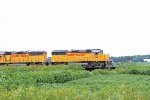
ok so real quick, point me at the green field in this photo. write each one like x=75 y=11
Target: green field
x=129 y=81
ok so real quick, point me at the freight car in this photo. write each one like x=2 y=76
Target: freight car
x=23 y=57
x=94 y=58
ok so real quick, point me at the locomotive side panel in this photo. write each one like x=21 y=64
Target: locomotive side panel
x=94 y=58
x=37 y=57
x=59 y=58
x=2 y=59
x=19 y=57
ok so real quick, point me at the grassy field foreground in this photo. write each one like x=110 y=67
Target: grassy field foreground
x=129 y=81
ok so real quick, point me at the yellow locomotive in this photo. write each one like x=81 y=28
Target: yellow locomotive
x=91 y=58
x=94 y=58
x=23 y=57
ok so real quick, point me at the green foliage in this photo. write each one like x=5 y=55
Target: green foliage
x=12 y=77
x=133 y=68
x=129 y=81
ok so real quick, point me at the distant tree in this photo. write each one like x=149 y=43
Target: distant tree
x=136 y=58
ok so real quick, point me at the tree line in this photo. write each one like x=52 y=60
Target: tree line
x=135 y=58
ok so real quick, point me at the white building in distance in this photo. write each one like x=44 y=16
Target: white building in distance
x=146 y=60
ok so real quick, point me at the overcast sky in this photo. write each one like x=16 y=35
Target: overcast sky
x=119 y=27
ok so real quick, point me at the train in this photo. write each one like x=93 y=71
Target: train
x=89 y=58
x=23 y=57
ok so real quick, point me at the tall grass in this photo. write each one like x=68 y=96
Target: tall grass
x=128 y=81
x=101 y=87
x=133 y=68
x=12 y=77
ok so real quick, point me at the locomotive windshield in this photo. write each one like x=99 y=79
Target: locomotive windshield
x=59 y=52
